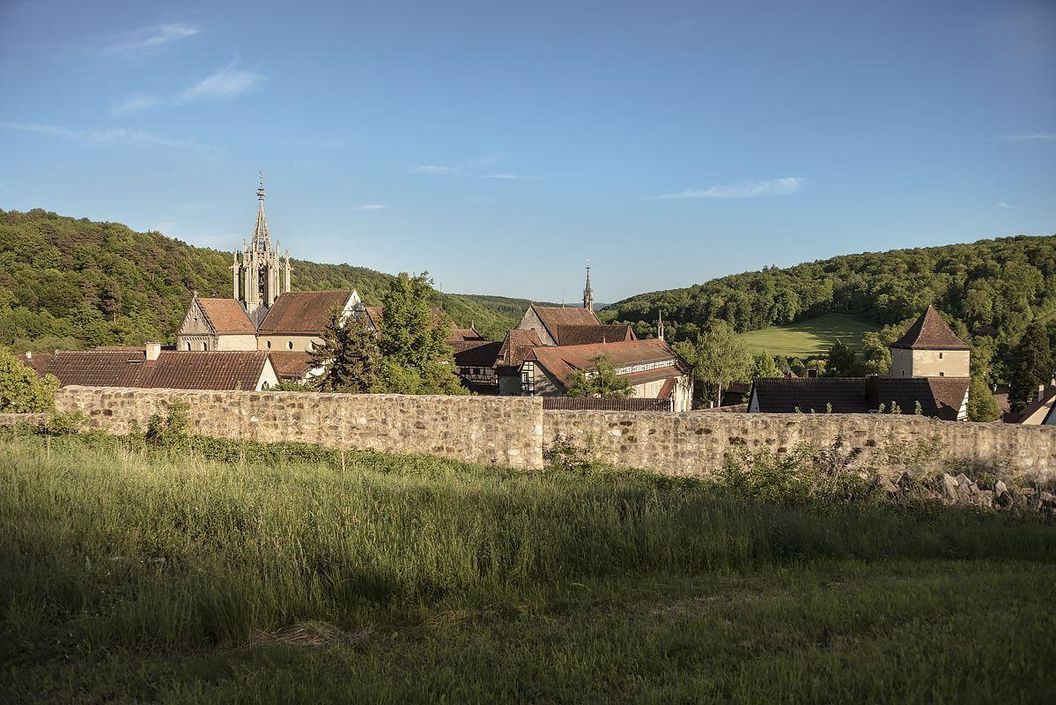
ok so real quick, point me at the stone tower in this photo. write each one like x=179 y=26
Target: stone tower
x=588 y=293
x=259 y=274
x=930 y=349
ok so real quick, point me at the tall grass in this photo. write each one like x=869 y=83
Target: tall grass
x=108 y=544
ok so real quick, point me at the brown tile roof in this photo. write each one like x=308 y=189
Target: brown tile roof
x=938 y=396
x=172 y=370
x=226 y=316
x=375 y=314
x=596 y=404
x=290 y=364
x=1043 y=400
x=477 y=353
x=930 y=332
x=668 y=373
x=561 y=360
x=303 y=312
x=464 y=335
x=593 y=333
x=554 y=316
x=38 y=361
x=517 y=345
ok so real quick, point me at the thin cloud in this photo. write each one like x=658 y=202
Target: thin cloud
x=371 y=207
x=1005 y=205
x=222 y=83
x=434 y=169
x=1033 y=137
x=511 y=177
x=147 y=38
x=747 y=189
x=115 y=136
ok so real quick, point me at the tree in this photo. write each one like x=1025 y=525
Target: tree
x=982 y=406
x=841 y=362
x=1032 y=365
x=602 y=382
x=764 y=365
x=718 y=358
x=349 y=356
x=21 y=389
x=416 y=358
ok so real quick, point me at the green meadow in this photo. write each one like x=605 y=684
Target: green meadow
x=233 y=573
x=808 y=338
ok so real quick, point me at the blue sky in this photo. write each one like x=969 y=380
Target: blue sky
x=500 y=145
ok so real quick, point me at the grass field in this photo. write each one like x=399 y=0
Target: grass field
x=131 y=574
x=808 y=338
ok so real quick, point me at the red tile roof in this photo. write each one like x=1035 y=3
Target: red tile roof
x=561 y=360
x=517 y=345
x=172 y=370
x=593 y=333
x=554 y=316
x=930 y=332
x=303 y=312
x=227 y=317
x=290 y=364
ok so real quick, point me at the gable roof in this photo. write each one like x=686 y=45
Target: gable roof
x=593 y=333
x=464 y=335
x=930 y=332
x=474 y=353
x=1040 y=409
x=226 y=316
x=303 y=312
x=172 y=370
x=561 y=360
x=939 y=397
x=516 y=347
x=554 y=316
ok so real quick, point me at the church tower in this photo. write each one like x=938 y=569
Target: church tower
x=588 y=293
x=258 y=273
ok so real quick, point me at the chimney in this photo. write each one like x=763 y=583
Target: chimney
x=153 y=351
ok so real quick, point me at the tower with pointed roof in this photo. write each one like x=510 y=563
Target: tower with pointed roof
x=930 y=349
x=588 y=293
x=259 y=273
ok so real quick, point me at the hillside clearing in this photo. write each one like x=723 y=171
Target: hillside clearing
x=134 y=574
x=809 y=338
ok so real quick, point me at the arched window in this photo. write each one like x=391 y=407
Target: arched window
x=289 y=345
x=187 y=345
x=205 y=346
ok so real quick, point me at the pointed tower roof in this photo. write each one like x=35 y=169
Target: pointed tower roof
x=930 y=332
x=261 y=239
x=588 y=293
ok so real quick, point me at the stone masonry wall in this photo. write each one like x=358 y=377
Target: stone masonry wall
x=694 y=444
x=486 y=430
x=513 y=431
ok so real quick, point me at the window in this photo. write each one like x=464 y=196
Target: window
x=289 y=345
x=942 y=374
x=205 y=346
x=940 y=355
x=187 y=345
x=268 y=344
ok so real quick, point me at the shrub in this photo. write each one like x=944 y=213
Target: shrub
x=22 y=390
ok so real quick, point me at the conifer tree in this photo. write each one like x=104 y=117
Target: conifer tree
x=1032 y=365
x=349 y=356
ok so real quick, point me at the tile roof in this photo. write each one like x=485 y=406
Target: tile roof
x=516 y=347
x=477 y=353
x=464 y=335
x=1043 y=402
x=597 y=404
x=303 y=312
x=226 y=316
x=38 y=362
x=561 y=360
x=930 y=332
x=554 y=316
x=593 y=333
x=938 y=396
x=290 y=364
x=172 y=370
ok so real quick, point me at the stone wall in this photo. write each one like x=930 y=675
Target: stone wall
x=512 y=431
x=488 y=430
x=695 y=443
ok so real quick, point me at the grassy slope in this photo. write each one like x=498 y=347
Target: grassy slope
x=128 y=575
x=808 y=338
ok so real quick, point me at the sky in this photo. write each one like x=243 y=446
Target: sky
x=499 y=146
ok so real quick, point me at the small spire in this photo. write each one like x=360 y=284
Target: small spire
x=260 y=184
x=588 y=293
x=660 y=325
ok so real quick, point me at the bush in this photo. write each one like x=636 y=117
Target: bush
x=22 y=390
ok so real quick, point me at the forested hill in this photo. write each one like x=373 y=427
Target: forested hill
x=995 y=287
x=68 y=283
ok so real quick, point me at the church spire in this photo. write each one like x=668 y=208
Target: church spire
x=588 y=293
x=261 y=239
x=660 y=325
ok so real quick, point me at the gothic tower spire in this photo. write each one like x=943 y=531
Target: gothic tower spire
x=588 y=293
x=261 y=239
x=660 y=325
x=261 y=276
